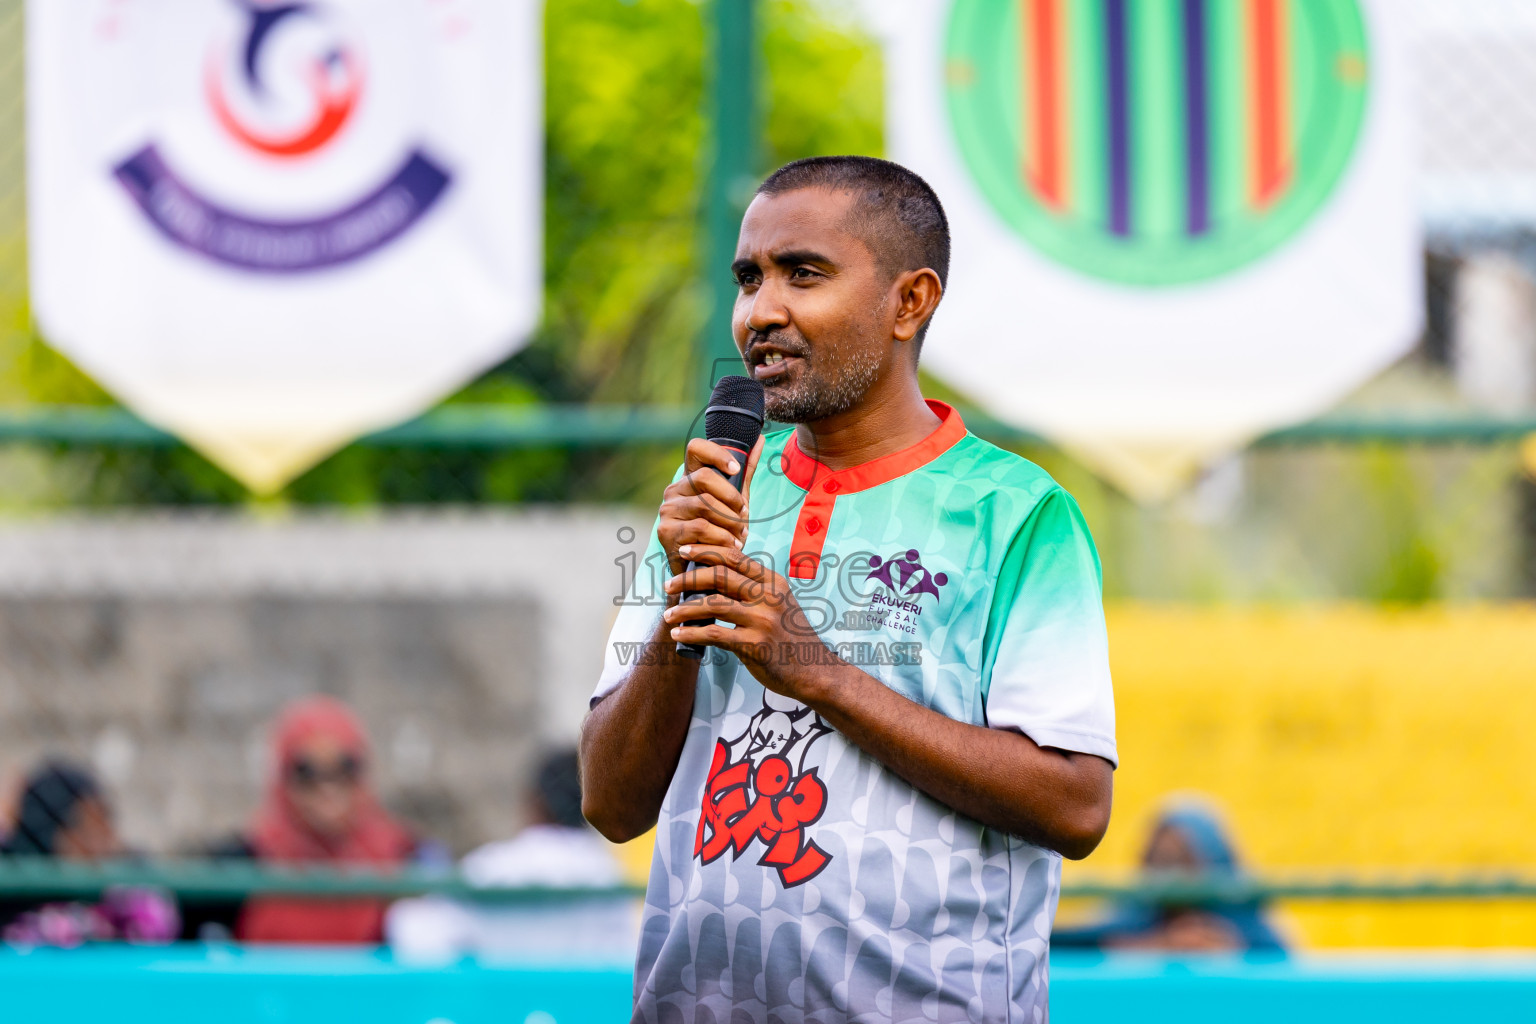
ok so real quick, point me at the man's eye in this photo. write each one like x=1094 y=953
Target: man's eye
x=802 y=273
x=744 y=280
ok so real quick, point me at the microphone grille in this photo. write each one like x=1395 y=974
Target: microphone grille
x=735 y=411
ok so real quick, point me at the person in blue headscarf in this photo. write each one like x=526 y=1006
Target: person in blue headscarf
x=1188 y=839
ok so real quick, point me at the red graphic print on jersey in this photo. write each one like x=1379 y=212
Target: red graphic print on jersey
x=757 y=790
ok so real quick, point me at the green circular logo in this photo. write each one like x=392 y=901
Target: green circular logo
x=1156 y=142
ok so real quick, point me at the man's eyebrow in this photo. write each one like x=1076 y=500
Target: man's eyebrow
x=787 y=258
x=794 y=257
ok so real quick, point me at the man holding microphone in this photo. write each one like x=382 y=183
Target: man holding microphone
x=863 y=793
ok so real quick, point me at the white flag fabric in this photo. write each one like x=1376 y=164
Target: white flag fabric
x=1177 y=224
x=272 y=225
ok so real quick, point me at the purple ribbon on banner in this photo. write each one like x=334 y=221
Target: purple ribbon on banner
x=281 y=246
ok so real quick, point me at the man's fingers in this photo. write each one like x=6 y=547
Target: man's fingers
x=732 y=558
x=714 y=492
x=712 y=635
x=717 y=579
x=738 y=638
x=705 y=606
x=706 y=483
x=702 y=452
x=680 y=508
x=703 y=533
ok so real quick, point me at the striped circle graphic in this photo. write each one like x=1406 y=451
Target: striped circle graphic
x=1156 y=142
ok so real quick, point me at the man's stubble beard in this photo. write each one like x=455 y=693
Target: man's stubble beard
x=815 y=395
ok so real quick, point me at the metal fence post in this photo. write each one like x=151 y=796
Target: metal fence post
x=733 y=91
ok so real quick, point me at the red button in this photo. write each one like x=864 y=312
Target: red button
x=813 y=525
x=831 y=487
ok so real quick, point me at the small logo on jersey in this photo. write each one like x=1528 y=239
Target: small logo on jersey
x=906 y=576
x=759 y=790
x=898 y=602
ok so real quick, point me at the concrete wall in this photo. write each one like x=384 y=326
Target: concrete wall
x=158 y=648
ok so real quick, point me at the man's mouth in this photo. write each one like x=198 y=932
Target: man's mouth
x=771 y=364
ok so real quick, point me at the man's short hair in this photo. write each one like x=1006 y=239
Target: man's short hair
x=897 y=213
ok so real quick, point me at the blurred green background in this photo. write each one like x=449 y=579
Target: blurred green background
x=625 y=303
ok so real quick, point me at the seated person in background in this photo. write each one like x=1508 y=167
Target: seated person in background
x=11 y=785
x=557 y=849
x=63 y=814
x=319 y=810
x=1187 y=840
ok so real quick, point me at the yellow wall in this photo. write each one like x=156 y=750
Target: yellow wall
x=1375 y=741
x=1356 y=739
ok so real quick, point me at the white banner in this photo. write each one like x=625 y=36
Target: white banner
x=1177 y=224
x=273 y=226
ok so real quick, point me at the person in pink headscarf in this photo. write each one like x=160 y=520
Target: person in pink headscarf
x=320 y=809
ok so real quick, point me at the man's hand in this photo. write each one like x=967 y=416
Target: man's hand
x=631 y=740
x=702 y=507
x=755 y=600
x=1003 y=779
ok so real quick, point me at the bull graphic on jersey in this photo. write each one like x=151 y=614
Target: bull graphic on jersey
x=760 y=790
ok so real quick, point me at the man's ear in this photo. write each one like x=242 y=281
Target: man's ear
x=917 y=296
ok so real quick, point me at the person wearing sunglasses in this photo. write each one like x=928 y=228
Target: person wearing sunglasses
x=319 y=810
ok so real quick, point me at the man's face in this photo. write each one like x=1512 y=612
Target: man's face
x=811 y=309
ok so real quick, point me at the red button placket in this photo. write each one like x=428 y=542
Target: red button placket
x=822 y=485
x=811 y=530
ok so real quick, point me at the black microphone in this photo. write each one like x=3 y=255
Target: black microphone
x=733 y=420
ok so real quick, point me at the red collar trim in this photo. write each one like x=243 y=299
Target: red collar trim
x=806 y=473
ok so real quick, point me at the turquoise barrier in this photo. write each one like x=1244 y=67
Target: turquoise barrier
x=229 y=985
x=1335 y=989
x=197 y=984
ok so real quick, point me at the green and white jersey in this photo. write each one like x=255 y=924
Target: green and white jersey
x=795 y=877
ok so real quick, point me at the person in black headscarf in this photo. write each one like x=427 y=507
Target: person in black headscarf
x=1188 y=841
x=64 y=815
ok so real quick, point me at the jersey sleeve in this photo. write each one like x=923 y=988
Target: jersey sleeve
x=638 y=615
x=1049 y=667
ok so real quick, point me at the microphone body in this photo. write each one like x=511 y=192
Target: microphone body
x=734 y=421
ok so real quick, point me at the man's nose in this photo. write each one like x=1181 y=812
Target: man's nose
x=768 y=309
